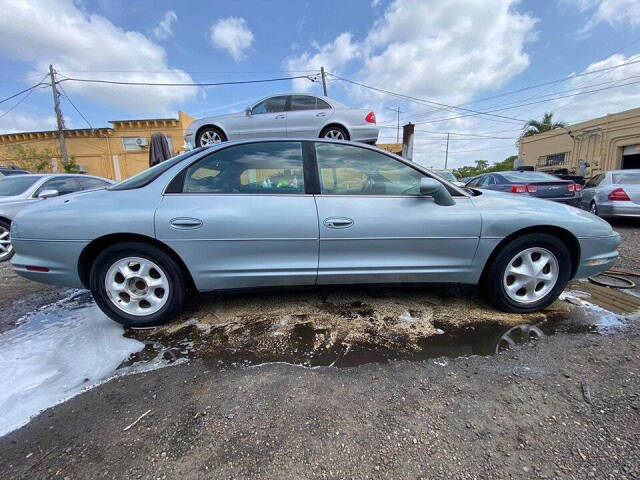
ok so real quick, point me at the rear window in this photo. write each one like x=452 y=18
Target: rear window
x=529 y=177
x=631 y=178
x=147 y=176
x=16 y=185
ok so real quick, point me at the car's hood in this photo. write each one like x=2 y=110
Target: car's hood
x=502 y=213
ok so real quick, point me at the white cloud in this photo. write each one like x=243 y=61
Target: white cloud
x=16 y=122
x=332 y=56
x=613 y=12
x=233 y=35
x=443 y=51
x=164 y=29
x=58 y=32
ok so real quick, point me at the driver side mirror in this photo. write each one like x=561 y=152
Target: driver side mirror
x=48 y=194
x=247 y=111
x=433 y=188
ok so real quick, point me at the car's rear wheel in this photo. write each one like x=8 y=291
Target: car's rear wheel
x=528 y=273
x=334 y=132
x=210 y=136
x=6 y=249
x=593 y=208
x=137 y=284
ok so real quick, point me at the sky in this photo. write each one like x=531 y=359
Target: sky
x=453 y=58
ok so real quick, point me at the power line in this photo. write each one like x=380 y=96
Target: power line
x=441 y=106
x=21 y=92
x=74 y=107
x=20 y=100
x=203 y=84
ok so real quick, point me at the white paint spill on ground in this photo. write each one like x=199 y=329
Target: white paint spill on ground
x=55 y=354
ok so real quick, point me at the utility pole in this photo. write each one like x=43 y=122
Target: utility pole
x=446 y=155
x=324 y=82
x=398 y=112
x=56 y=106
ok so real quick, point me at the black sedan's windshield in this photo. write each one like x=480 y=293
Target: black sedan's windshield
x=16 y=185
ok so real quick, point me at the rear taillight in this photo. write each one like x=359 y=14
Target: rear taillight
x=578 y=187
x=370 y=118
x=619 y=195
x=524 y=189
x=572 y=187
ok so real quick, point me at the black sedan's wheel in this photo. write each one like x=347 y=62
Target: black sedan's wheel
x=137 y=285
x=593 y=208
x=210 y=136
x=528 y=273
x=334 y=132
x=6 y=249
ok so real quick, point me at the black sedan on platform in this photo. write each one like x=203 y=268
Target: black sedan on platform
x=535 y=184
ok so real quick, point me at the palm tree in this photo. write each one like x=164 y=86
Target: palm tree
x=534 y=127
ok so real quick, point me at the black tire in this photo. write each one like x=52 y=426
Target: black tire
x=593 y=208
x=5 y=226
x=493 y=284
x=212 y=131
x=336 y=128
x=177 y=284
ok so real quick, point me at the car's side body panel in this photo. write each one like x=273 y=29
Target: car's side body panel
x=244 y=240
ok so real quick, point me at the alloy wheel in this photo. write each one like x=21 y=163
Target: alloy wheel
x=210 y=137
x=6 y=249
x=334 y=134
x=530 y=275
x=593 y=208
x=137 y=286
x=518 y=335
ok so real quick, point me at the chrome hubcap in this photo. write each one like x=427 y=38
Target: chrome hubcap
x=335 y=134
x=210 y=137
x=5 y=244
x=137 y=286
x=593 y=208
x=518 y=335
x=531 y=275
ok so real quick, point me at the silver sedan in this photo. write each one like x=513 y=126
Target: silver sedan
x=20 y=191
x=292 y=115
x=613 y=194
x=289 y=212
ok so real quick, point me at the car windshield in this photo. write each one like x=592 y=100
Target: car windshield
x=630 y=178
x=529 y=177
x=16 y=185
x=447 y=176
x=147 y=176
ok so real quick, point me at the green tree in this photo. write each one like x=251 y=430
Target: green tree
x=482 y=166
x=29 y=158
x=71 y=166
x=534 y=127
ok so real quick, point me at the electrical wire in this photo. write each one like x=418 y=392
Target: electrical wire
x=20 y=100
x=202 y=84
x=21 y=92
x=74 y=107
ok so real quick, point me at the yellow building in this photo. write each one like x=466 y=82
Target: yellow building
x=117 y=152
x=607 y=143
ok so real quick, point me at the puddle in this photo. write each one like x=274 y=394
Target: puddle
x=65 y=348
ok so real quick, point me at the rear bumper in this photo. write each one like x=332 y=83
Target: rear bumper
x=597 y=254
x=60 y=257
x=573 y=201
x=364 y=134
x=619 y=209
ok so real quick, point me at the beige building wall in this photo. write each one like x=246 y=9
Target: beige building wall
x=106 y=152
x=598 y=142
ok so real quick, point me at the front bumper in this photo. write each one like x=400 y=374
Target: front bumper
x=60 y=257
x=597 y=254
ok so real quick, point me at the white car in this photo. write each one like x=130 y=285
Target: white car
x=287 y=115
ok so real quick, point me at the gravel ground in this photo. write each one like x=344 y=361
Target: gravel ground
x=629 y=230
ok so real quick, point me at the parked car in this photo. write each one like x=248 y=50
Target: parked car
x=534 y=184
x=20 y=191
x=10 y=170
x=449 y=176
x=267 y=213
x=290 y=115
x=613 y=194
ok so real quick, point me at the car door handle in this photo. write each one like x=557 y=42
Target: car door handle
x=321 y=114
x=185 y=223
x=338 y=222
x=279 y=117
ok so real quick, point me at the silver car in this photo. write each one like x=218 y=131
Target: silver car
x=613 y=194
x=286 y=212
x=20 y=191
x=292 y=115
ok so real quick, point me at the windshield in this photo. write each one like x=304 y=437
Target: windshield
x=16 y=185
x=630 y=178
x=147 y=176
x=448 y=176
x=529 y=177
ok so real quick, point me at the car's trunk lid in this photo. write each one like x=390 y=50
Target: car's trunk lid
x=557 y=189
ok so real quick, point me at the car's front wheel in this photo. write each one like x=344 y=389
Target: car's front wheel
x=137 y=284
x=210 y=136
x=6 y=249
x=528 y=273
